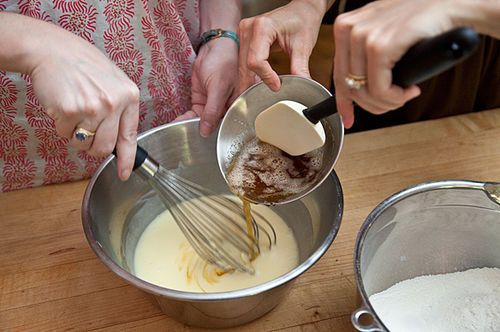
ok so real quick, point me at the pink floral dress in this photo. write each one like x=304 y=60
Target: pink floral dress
x=151 y=41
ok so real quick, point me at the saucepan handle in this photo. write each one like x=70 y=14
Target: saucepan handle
x=356 y=321
x=424 y=60
x=434 y=55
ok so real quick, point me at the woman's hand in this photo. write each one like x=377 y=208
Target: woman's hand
x=78 y=87
x=370 y=40
x=214 y=83
x=294 y=28
x=215 y=71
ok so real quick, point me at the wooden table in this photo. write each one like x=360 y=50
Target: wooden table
x=51 y=280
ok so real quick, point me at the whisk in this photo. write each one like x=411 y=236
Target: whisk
x=214 y=225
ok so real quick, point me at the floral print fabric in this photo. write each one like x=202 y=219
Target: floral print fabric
x=151 y=41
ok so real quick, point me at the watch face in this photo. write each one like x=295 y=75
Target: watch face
x=211 y=33
x=215 y=33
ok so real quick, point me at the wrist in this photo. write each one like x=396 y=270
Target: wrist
x=483 y=16
x=214 y=34
x=19 y=34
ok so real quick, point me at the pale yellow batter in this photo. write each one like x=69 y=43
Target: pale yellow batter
x=164 y=257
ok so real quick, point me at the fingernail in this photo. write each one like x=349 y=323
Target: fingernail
x=206 y=128
x=124 y=174
x=347 y=123
x=275 y=87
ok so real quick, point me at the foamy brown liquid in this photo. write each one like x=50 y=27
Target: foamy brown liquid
x=263 y=173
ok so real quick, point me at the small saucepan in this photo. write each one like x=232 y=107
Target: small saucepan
x=424 y=60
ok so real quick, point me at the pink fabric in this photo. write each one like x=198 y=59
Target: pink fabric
x=151 y=41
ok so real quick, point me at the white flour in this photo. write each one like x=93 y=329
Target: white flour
x=461 y=301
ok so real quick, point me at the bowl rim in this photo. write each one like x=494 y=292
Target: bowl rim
x=381 y=207
x=198 y=296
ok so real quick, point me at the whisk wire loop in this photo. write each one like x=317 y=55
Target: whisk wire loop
x=215 y=226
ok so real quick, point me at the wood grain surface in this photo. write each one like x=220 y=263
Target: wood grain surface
x=51 y=280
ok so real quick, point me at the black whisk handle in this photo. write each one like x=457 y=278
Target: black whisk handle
x=140 y=156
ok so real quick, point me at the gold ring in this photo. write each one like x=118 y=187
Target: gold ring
x=82 y=134
x=355 y=82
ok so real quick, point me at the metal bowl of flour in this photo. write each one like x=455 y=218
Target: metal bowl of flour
x=115 y=214
x=431 y=228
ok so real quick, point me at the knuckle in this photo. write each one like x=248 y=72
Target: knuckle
x=260 y=23
x=358 y=34
x=245 y=24
x=129 y=136
x=108 y=101
x=253 y=62
x=343 y=24
x=92 y=109
x=103 y=149
x=375 y=46
x=133 y=93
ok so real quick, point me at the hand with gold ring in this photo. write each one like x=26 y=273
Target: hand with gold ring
x=370 y=40
x=82 y=134
x=92 y=102
x=355 y=82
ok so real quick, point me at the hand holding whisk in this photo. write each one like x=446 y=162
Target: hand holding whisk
x=215 y=225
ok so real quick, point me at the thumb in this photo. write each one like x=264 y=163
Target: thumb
x=214 y=109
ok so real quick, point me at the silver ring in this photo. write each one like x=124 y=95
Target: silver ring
x=355 y=82
x=83 y=134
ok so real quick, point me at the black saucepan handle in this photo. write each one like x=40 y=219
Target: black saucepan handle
x=422 y=61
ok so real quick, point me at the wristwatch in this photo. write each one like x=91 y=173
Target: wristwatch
x=214 y=34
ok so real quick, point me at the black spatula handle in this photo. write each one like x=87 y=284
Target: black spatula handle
x=422 y=61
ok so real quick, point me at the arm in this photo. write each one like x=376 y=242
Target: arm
x=215 y=70
x=294 y=28
x=75 y=84
x=370 y=40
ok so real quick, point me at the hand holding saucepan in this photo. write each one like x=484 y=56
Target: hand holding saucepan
x=292 y=28
x=370 y=40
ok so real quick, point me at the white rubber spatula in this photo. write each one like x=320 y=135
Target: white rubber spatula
x=296 y=130
x=293 y=127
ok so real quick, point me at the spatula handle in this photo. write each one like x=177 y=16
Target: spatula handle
x=424 y=60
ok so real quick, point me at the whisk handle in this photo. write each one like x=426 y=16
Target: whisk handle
x=140 y=156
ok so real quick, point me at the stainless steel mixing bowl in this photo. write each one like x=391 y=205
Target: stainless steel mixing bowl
x=115 y=214
x=431 y=228
x=238 y=126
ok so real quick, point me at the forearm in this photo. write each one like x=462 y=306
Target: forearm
x=223 y=14
x=482 y=15
x=320 y=6
x=17 y=35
